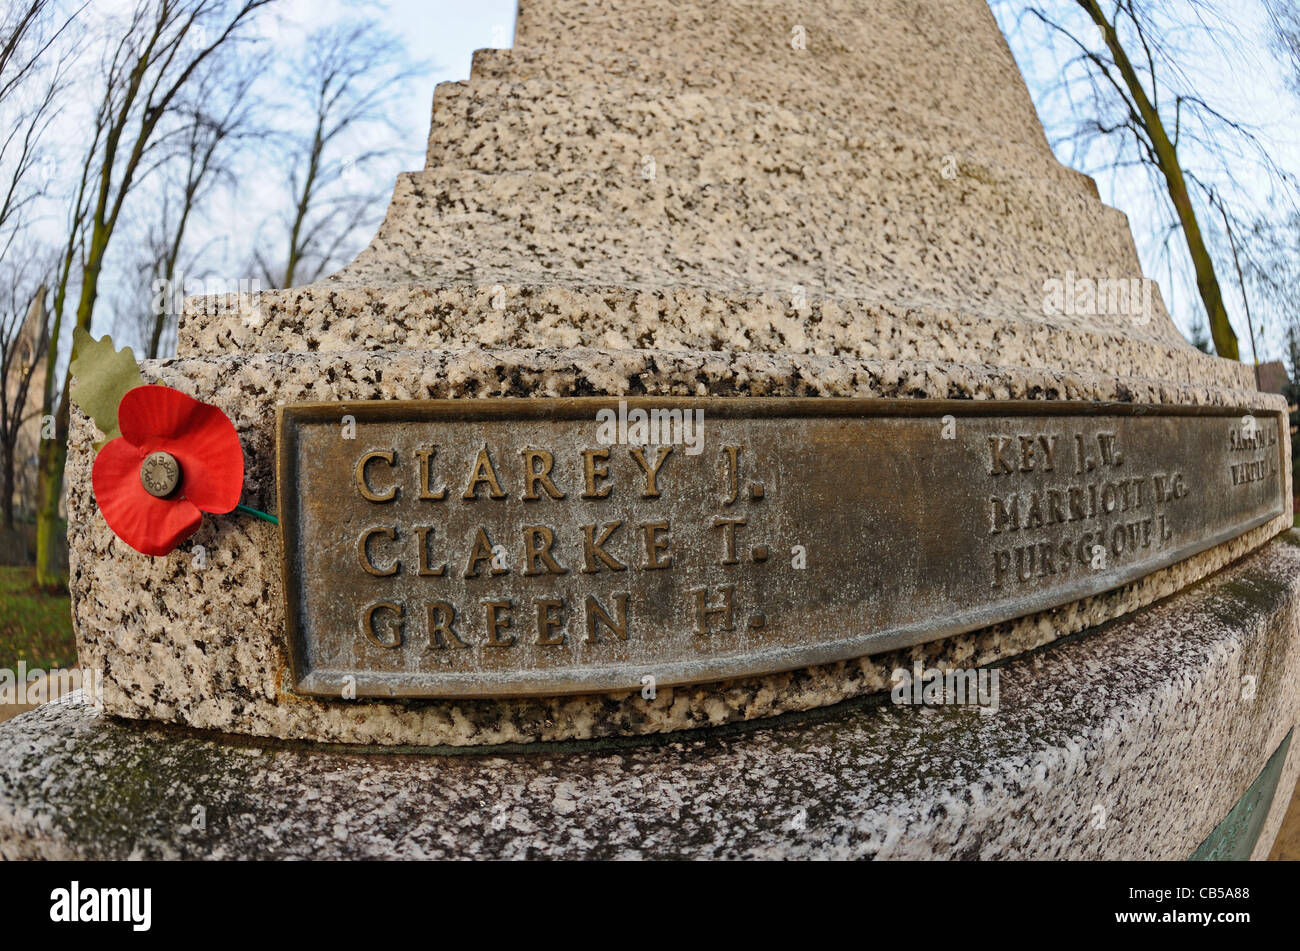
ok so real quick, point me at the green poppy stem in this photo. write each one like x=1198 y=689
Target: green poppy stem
x=262 y=515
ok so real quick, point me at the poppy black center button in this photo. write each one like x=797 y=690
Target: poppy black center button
x=160 y=473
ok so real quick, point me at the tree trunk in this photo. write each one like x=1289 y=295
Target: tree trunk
x=8 y=486
x=1225 y=340
x=155 y=335
x=54 y=454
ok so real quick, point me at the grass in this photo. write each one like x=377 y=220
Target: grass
x=34 y=627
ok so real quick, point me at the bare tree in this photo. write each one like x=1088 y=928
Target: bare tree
x=159 y=51
x=1125 y=76
x=31 y=83
x=28 y=31
x=346 y=82
x=1271 y=241
x=219 y=120
x=34 y=64
x=1272 y=268
x=1284 y=20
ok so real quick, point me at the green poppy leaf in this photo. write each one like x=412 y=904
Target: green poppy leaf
x=103 y=374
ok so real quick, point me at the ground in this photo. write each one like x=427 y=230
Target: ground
x=1286 y=847
x=35 y=628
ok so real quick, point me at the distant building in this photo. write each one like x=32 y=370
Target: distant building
x=29 y=350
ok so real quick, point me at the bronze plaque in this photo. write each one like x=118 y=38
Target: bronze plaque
x=465 y=548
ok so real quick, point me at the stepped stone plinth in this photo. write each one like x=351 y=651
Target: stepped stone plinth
x=810 y=222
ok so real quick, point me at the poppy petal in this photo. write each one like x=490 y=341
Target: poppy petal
x=150 y=525
x=199 y=435
x=154 y=412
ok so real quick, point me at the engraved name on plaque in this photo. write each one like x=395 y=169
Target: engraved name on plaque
x=499 y=547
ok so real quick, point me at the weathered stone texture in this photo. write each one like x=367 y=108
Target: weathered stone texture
x=1146 y=718
x=659 y=198
x=205 y=646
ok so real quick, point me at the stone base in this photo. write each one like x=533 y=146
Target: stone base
x=1129 y=741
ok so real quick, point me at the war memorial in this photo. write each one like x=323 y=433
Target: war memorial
x=728 y=391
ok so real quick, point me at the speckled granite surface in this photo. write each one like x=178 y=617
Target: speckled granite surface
x=739 y=197
x=206 y=647
x=663 y=197
x=1133 y=741
x=708 y=325
x=676 y=175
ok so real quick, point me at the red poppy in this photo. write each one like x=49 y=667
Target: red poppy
x=189 y=455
